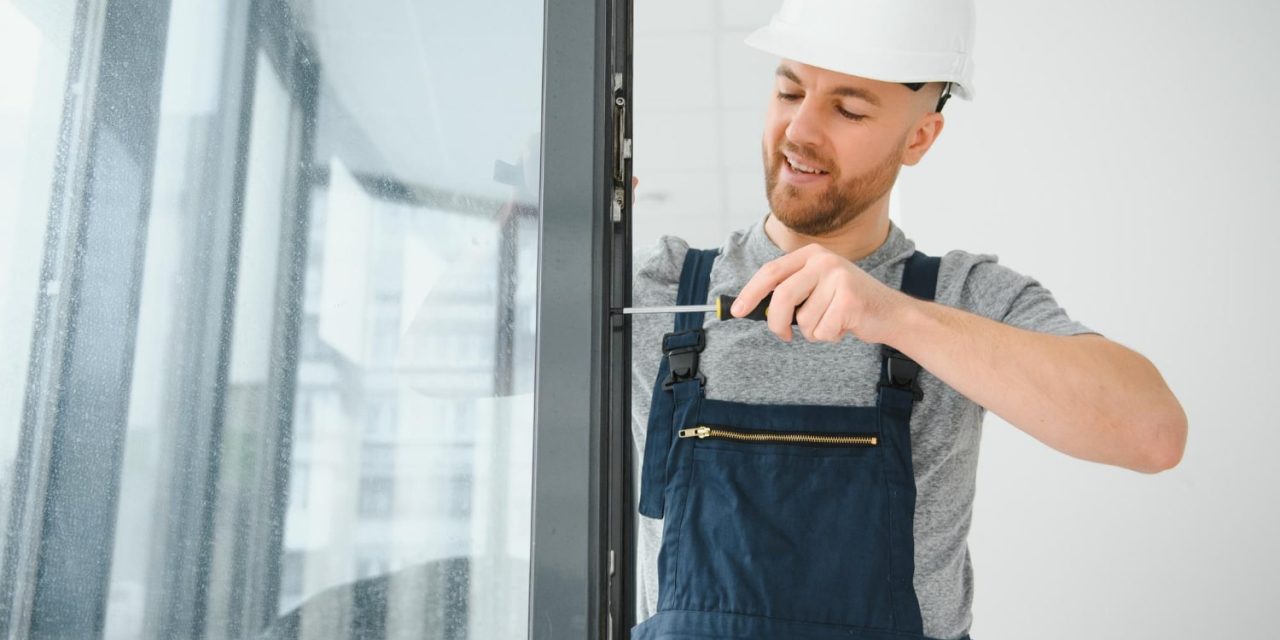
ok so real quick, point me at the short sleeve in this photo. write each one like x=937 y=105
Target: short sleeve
x=656 y=272
x=992 y=290
x=1035 y=309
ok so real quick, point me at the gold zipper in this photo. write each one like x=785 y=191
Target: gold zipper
x=795 y=438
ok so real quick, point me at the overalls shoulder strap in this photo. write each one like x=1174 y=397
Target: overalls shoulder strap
x=695 y=284
x=920 y=276
x=899 y=373
x=679 y=381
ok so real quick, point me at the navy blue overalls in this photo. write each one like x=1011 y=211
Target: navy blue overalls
x=780 y=521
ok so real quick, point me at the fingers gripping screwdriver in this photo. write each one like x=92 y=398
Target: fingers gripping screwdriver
x=720 y=308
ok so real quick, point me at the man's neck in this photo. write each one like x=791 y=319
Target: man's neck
x=855 y=241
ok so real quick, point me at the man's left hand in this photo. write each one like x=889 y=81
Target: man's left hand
x=834 y=297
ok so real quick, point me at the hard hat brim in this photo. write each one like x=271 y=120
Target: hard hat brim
x=872 y=63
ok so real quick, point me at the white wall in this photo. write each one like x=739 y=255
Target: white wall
x=1124 y=153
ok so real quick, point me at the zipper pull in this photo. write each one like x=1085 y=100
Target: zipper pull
x=699 y=432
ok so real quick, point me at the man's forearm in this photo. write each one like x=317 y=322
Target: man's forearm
x=1086 y=396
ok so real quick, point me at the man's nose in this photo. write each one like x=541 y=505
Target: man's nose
x=805 y=128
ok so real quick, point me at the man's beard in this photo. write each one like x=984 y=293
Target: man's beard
x=818 y=214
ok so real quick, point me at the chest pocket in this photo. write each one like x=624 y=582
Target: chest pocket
x=773 y=517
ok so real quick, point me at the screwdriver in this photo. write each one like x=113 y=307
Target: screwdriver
x=721 y=309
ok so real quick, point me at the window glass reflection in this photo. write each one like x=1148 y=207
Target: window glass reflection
x=325 y=317
x=35 y=43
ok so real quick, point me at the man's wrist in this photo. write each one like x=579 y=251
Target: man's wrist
x=904 y=313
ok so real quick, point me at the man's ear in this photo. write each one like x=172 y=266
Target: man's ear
x=921 y=137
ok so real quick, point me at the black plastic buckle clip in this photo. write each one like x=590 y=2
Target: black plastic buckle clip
x=901 y=371
x=682 y=363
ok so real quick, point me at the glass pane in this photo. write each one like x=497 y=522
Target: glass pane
x=329 y=371
x=35 y=43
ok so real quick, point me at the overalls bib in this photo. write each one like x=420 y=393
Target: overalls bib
x=780 y=521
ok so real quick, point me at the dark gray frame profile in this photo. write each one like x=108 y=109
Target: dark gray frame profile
x=619 y=446
x=569 y=558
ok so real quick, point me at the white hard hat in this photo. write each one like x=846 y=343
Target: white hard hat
x=907 y=41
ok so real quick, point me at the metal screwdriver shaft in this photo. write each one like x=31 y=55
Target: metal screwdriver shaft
x=720 y=308
x=688 y=308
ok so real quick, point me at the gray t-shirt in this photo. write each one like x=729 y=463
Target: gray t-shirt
x=744 y=362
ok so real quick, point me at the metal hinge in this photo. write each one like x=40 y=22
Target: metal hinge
x=622 y=147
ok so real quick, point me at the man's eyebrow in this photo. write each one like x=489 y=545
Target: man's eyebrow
x=857 y=93
x=853 y=92
x=786 y=72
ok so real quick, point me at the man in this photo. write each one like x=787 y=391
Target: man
x=807 y=481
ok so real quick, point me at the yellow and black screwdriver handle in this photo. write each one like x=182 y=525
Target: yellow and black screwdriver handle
x=761 y=312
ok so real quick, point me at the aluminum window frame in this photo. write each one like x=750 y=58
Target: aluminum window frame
x=581 y=582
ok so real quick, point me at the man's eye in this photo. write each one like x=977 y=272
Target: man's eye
x=788 y=96
x=852 y=116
